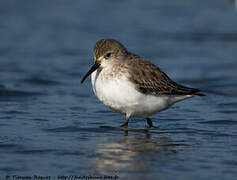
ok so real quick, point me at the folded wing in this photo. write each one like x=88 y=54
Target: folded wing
x=150 y=79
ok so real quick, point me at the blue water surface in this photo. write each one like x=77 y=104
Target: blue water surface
x=51 y=125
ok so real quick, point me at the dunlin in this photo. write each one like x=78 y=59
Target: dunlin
x=132 y=85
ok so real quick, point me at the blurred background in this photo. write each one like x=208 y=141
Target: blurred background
x=50 y=123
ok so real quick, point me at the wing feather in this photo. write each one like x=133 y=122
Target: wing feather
x=150 y=79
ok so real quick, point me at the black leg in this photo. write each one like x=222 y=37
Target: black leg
x=149 y=122
x=126 y=121
x=124 y=124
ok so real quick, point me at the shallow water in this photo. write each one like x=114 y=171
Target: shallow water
x=51 y=125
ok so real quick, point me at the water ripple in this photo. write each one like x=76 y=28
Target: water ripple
x=222 y=122
x=41 y=81
x=69 y=129
x=34 y=151
x=17 y=93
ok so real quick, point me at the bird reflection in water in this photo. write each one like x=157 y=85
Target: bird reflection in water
x=133 y=154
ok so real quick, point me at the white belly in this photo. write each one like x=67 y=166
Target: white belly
x=120 y=95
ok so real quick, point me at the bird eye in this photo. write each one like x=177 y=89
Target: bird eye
x=108 y=55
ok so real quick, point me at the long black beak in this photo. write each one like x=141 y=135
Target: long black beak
x=92 y=69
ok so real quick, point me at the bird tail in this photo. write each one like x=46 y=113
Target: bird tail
x=198 y=94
